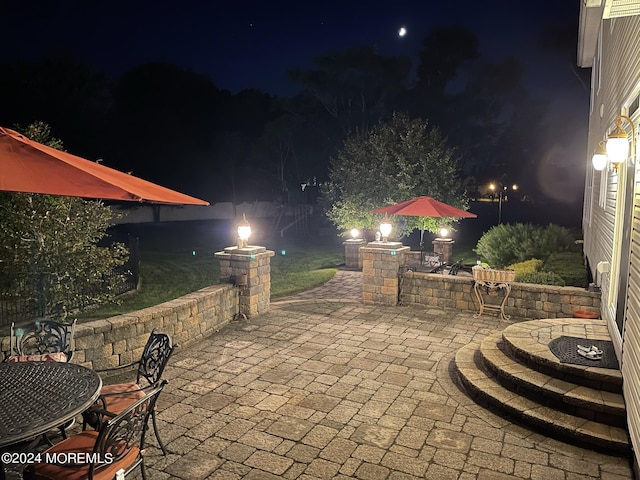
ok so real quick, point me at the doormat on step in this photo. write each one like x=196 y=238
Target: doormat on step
x=566 y=349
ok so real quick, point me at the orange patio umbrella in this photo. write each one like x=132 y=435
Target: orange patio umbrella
x=31 y=167
x=424 y=207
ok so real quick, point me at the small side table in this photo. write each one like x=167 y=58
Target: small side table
x=493 y=279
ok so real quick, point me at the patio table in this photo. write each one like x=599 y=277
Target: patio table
x=36 y=397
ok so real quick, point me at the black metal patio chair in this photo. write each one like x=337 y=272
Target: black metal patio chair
x=117 y=397
x=45 y=340
x=114 y=450
x=432 y=262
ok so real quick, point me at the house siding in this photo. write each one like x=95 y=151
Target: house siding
x=619 y=47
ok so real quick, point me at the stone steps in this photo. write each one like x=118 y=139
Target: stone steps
x=590 y=403
x=536 y=355
x=544 y=401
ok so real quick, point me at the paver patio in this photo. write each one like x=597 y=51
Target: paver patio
x=323 y=386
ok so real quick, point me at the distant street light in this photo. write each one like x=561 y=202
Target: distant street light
x=501 y=190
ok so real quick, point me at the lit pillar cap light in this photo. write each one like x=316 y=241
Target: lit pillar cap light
x=385 y=228
x=354 y=233
x=244 y=232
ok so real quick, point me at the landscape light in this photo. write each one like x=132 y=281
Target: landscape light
x=444 y=232
x=385 y=228
x=354 y=233
x=244 y=232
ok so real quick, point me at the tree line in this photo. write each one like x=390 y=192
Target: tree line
x=175 y=127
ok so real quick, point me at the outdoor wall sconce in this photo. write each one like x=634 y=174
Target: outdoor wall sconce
x=385 y=228
x=616 y=150
x=244 y=232
x=600 y=159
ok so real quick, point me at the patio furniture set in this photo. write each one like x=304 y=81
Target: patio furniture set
x=42 y=391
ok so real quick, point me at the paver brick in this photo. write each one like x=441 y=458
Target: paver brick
x=269 y=462
x=322 y=468
x=291 y=428
x=368 y=471
x=319 y=436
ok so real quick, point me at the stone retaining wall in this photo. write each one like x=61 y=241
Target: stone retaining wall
x=119 y=340
x=525 y=301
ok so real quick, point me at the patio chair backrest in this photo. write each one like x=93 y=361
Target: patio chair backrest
x=155 y=357
x=432 y=260
x=120 y=434
x=44 y=336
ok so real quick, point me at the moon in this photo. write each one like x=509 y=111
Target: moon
x=402 y=32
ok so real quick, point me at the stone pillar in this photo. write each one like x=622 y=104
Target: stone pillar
x=445 y=247
x=352 y=253
x=250 y=269
x=381 y=263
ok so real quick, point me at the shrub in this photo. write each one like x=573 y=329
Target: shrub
x=510 y=243
x=50 y=253
x=528 y=266
x=542 y=278
x=569 y=266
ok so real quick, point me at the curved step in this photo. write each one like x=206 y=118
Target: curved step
x=528 y=342
x=486 y=389
x=586 y=402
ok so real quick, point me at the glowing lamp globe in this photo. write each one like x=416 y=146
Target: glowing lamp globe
x=618 y=146
x=385 y=229
x=244 y=232
x=354 y=233
x=599 y=161
x=444 y=232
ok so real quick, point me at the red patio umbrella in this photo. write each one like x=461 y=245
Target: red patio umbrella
x=31 y=167
x=424 y=207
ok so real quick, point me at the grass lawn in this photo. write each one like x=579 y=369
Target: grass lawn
x=176 y=259
x=306 y=263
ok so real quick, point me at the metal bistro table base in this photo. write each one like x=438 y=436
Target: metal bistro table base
x=493 y=286
x=39 y=396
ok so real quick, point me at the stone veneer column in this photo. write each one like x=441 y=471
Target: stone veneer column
x=445 y=247
x=255 y=263
x=381 y=263
x=352 y=254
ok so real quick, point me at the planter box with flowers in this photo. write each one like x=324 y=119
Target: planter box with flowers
x=493 y=275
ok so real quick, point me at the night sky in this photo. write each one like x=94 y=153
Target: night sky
x=252 y=44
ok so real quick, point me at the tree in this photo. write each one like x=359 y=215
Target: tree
x=356 y=87
x=62 y=91
x=160 y=126
x=345 y=92
x=49 y=245
x=396 y=161
x=445 y=55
